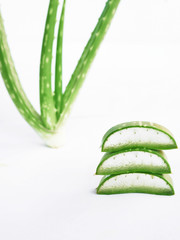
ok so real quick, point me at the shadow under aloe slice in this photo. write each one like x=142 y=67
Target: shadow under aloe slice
x=136 y=183
x=137 y=134
x=133 y=160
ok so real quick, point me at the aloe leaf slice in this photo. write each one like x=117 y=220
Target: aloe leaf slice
x=133 y=160
x=136 y=183
x=137 y=134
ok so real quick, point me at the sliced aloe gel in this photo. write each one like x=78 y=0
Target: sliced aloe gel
x=133 y=160
x=136 y=183
x=137 y=134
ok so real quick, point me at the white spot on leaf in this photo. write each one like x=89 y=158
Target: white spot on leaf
x=51 y=11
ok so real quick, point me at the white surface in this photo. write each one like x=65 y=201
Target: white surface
x=49 y=194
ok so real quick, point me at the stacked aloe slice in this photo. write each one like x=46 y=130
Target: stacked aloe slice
x=134 y=160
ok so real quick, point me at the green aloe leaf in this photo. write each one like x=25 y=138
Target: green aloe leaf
x=138 y=134
x=133 y=160
x=136 y=183
x=58 y=70
x=48 y=111
x=13 y=85
x=87 y=57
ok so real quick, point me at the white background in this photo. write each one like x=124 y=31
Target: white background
x=49 y=194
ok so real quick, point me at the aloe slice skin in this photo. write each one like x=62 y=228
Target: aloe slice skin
x=133 y=160
x=138 y=134
x=136 y=183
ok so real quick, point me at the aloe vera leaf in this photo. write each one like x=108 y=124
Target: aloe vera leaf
x=58 y=70
x=133 y=160
x=138 y=134
x=13 y=84
x=48 y=111
x=136 y=183
x=87 y=57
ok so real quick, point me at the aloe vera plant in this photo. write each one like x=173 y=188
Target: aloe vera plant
x=55 y=105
